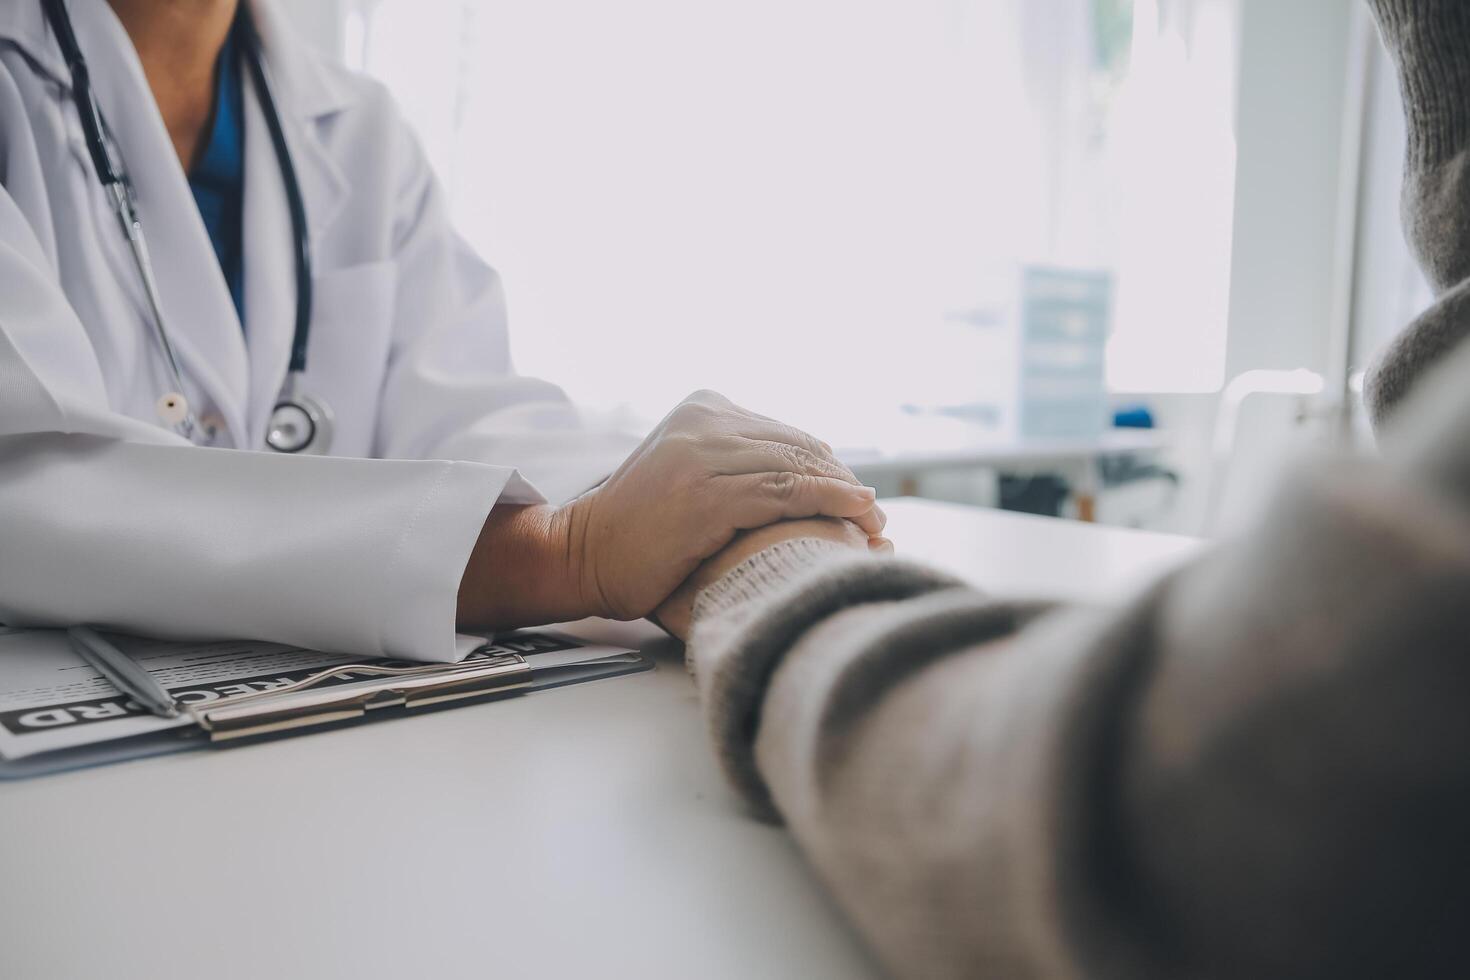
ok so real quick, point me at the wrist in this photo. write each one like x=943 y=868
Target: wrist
x=522 y=572
x=573 y=529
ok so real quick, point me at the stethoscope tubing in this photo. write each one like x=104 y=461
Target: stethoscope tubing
x=133 y=229
x=301 y=239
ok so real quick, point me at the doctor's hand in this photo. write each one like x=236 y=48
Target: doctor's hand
x=708 y=471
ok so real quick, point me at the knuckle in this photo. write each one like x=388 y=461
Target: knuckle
x=810 y=462
x=783 y=486
x=791 y=455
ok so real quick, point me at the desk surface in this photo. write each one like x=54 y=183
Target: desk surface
x=573 y=833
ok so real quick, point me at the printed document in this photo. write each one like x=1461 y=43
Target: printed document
x=52 y=699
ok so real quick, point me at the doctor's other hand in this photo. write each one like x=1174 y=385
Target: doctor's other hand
x=708 y=471
x=676 y=613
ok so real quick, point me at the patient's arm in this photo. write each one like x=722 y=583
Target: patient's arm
x=1256 y=768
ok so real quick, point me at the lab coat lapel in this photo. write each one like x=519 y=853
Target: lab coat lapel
x=270 y=271
x=204 y=327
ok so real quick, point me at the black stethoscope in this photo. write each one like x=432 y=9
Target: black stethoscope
x=299 y=423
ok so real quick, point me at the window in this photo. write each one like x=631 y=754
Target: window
x=819 y=207
x=1169 y=180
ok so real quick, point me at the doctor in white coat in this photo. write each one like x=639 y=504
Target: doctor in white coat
x=431 y=510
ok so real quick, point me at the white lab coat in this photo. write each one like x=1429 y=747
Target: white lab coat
x=105 y=517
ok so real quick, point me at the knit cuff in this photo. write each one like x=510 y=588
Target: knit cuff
x=1430 y=42
x=764 y=574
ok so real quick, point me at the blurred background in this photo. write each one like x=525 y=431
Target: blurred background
x=1120 y=260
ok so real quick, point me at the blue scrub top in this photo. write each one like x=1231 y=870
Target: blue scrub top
x=218 y=177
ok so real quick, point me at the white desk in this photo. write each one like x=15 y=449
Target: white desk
x=576 y=833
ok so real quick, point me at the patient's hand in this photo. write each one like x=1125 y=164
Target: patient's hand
x=676 y=612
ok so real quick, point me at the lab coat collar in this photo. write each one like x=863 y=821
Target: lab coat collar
x=23 y=24
x=306 y=90
x=309 y=89
x=306 y=86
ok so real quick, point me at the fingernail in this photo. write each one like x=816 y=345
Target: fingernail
x=869 y=492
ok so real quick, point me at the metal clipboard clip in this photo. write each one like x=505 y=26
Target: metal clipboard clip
x=306 y=703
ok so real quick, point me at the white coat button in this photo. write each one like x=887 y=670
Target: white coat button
x=172 y=408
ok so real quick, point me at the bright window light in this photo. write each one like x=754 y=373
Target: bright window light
x=1171 y=178
x=821 y=207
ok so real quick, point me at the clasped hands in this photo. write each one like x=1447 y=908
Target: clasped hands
x=712 y=484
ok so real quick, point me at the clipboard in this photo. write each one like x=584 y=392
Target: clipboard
x=346 y=694
x=377 y=690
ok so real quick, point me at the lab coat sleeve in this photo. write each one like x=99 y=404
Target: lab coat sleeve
x=451 y=390
x=111 y=521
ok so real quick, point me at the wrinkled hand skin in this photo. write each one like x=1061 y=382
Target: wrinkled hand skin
x=707 y=472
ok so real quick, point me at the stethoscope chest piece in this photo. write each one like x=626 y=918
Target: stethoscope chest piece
x=299 y=424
